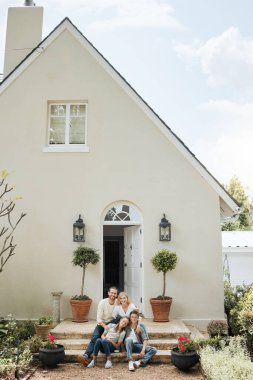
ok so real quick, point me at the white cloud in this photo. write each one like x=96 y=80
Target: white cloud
x=232 y=152
x=225 y=59
x=124 y=13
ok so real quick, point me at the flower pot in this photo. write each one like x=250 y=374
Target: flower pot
x=43 y=330
x=161 y=309
x=184 y=361
x=80 y=310
x=51 y=357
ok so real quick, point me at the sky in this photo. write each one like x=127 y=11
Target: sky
x=191 y=61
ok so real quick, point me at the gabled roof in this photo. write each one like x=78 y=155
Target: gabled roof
x=229 y=207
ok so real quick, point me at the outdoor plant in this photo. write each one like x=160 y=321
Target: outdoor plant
x=185 y=344
x=82 y=257
x=164 y=261
x=34 y=343
x=44 y=320
x=14 y=355
x=234 y=299
x=50 y=342
x=231 y=362
x=217 y=327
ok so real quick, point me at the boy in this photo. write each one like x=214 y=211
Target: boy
x=137 y=341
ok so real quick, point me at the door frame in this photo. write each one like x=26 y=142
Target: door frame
x=124 y=224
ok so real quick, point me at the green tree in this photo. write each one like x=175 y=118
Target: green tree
x=245 y=219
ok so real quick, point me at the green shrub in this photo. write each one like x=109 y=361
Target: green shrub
x=234 y=300
x=217 y=342
x=6 y=367
x=34 y=343
x=217 y=327
x=14 y=355
x=232 y=362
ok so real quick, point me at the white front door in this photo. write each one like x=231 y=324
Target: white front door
x=133 y=264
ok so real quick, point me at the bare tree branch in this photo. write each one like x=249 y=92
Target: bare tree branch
x=7 y=247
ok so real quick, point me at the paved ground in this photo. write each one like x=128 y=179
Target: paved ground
x=73 y=371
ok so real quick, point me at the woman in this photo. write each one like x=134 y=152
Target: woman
x=124 y=307
x=110 y=340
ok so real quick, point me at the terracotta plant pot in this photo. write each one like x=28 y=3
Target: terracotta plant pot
x=184 y=361
x=80 y=310
x=42 y=331
x=51 y=357
x=161 y=309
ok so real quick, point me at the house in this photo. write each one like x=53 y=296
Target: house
x=237 y=255
x=80 y=141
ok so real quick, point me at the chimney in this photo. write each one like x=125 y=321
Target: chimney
x=24 y=32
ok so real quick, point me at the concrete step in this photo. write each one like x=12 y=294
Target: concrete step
x=157 y=330
x=81 y=344
x=162 y=356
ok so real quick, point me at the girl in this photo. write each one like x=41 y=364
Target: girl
x=110 y=341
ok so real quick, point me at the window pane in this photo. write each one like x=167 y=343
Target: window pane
x=58 y=110
x=76 y=130
x=77 y=124
x=77 y=110
x=57 y=124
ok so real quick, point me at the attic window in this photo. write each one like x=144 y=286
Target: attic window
x=67 y=123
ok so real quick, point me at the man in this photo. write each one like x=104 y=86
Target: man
x=104 y=316
x=137 y=341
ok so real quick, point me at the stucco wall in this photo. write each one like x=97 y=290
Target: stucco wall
x=129 y=159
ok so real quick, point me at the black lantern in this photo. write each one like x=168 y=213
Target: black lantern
x=164 y=230
x=78 y=230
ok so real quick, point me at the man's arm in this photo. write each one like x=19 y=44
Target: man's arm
x=100 y=315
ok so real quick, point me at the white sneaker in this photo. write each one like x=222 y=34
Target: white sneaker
x=108 y=364
x=92 y=364
x=137 y=363
x=131 y=366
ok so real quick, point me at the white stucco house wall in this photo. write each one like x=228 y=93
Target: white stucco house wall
x=237 y=255
x=79 y=140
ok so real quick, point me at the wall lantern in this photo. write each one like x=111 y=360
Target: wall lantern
x=164 y=230
x=78 y=230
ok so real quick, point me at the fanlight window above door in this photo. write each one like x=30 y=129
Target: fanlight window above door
x=122 y=213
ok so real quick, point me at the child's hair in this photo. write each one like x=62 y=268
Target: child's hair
x=117 y=326
x=134 y=312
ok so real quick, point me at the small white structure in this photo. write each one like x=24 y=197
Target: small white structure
x=237 y=253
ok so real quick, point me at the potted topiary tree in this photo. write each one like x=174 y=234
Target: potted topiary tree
x=164 y=261
x=80 y=304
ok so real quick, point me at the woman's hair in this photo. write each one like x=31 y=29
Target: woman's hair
x=123 y=294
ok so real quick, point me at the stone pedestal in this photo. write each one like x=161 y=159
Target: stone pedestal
x=56 y=307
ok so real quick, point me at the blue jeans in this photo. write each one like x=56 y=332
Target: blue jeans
x=104 y=346
x=137 y=347
x=98 y=331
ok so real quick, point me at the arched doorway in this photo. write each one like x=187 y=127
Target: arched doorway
x=122 y=250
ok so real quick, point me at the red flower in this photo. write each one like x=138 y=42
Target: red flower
x=51 y=337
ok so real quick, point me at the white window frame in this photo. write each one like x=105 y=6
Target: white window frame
x=67 y=147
